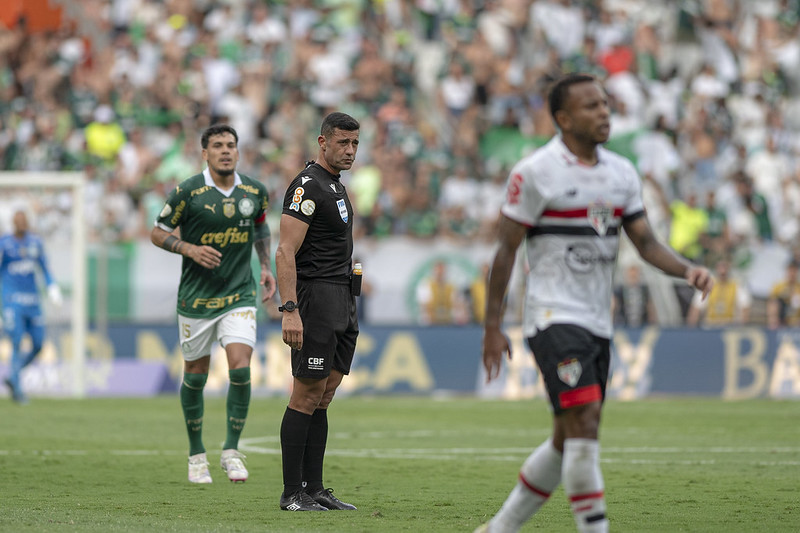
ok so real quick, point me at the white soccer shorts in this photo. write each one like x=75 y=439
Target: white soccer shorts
x=198 y=334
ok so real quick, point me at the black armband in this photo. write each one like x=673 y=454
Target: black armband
x=172 y=244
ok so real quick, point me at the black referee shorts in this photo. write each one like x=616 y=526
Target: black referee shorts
x=574 y=364
x=330 y=329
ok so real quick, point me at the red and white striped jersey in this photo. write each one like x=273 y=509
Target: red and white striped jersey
x=574 y=216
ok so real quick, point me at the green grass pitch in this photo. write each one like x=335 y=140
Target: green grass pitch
x=410 y=465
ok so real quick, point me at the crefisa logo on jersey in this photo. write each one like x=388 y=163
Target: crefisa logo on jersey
x=569 y=371
x=600 y=217
x=342 y=209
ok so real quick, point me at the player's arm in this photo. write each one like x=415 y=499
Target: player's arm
x=53 y=290
x=205 y=256
x=293 y=233
x=665 y=258
x=510 y=235
x=262 y=245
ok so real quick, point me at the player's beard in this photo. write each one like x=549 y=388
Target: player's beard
x=223 y=172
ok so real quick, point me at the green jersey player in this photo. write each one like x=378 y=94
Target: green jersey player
x=214 y=219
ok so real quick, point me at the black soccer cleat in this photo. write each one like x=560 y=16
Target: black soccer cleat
x=300 y=501
x=325 y=497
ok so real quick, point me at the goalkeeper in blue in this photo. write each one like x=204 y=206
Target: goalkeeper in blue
x=21 y=256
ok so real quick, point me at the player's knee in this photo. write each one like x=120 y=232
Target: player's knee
x=198 y=366
x=582 y=421
x=307 y=394
x=327 y=398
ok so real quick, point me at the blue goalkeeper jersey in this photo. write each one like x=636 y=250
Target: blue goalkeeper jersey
x=19 y=261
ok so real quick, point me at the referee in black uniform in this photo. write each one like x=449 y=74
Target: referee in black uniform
x=314 y=263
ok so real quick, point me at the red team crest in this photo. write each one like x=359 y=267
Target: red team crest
x=600 y=216
x=569 y=371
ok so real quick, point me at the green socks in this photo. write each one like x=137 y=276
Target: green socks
x=192 y=403
x=238 y=402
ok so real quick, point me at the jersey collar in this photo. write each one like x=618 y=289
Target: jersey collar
x=569 y=159
x=237 y=180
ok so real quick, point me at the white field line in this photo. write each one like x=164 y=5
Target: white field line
x=711 y=455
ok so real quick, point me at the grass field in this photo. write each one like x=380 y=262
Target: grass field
x=409 y=464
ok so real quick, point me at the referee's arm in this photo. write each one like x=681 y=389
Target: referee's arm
x=292 y=235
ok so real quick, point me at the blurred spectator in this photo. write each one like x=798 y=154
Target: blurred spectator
x=632 y=304
x=768 y=167
x=757 y=220
x=716 y=240
x=459 y=190
x=688 y=221
x=657 y=154
x=104 y=137
x=264 y=26
x=783 y=305
x=728 y=303
x=135 y=160
x=179 y=163
x=707 y=85
x=561 y=23
x=438 y=297
x=456 y=90
x=476 y=294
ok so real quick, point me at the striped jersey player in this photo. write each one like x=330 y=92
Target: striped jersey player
x=570 y=200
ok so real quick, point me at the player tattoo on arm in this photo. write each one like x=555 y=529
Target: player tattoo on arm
x=262 y=243
x=173 y=244
x=262 y=250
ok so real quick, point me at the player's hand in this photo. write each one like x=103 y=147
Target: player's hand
x=292 y=329
x=268 y=282
x=701 y=279
x=54 y=293
x=494 y=344
x=205 y=256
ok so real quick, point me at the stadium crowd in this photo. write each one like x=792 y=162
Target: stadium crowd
x=704 y=95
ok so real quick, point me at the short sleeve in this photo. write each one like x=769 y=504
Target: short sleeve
x=300 y=200
x=172 y=213
x=525 y=200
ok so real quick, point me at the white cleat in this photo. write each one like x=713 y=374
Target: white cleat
x=198 y=469
x=232 y=463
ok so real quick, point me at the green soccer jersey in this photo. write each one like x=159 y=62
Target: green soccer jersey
x=225 y=221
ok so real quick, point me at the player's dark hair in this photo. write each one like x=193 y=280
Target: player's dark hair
x=560 y=89
x=337 y=120
x=217 y=129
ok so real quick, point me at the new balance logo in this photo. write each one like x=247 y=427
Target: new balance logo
x=211 y=208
